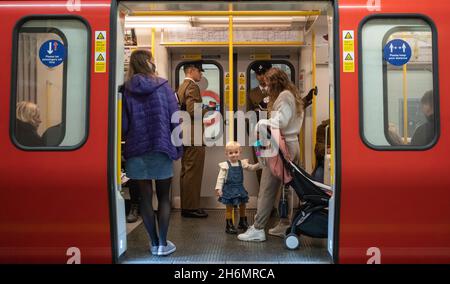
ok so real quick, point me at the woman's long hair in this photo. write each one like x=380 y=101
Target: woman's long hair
x=139 y=64
x=278 y=81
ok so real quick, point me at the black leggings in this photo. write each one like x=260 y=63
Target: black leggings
x=147 y=213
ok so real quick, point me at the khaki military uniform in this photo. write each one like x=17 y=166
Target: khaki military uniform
x=255 y=100
x=193 y=158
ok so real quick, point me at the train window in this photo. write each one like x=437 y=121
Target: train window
x=210 y=84
x=399 y=83
x=50 y=89
x=282 y=64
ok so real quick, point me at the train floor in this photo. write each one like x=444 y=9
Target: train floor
x=205 y=241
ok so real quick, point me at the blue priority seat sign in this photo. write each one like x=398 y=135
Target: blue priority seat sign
x=52 y=53
x=397 y=52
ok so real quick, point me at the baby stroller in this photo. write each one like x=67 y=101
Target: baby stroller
x=312 y=218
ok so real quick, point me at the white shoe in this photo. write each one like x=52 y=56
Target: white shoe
x=154 y=249
x=279 y=230
x=168 y=249
x=253 y=235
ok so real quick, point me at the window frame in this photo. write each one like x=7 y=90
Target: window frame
x=14 y=72
x=213 y=62
x=434 y=36
x=272 y=61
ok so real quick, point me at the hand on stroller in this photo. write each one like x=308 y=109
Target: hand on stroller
x=219 y=192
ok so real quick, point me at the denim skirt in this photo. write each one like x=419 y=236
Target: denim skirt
x=153 y=165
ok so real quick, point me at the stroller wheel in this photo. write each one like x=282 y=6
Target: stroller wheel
x=291 y=241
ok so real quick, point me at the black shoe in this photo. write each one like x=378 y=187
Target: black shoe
x=192 y=214
x=230 y=229
x=203 y=212
x=243 y=225
x=133 y=215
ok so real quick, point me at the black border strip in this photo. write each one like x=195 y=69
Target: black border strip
x=435 y=83
x=337 y=128
x=64 y=89
x=13 y=97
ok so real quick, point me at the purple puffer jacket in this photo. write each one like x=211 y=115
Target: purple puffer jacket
x=148 y=105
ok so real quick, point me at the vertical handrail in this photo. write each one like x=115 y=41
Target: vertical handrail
x=119 y=139
x=332 y=141
x=405 y=106
x=314 y=102
x=153 y=42
x=230 y=68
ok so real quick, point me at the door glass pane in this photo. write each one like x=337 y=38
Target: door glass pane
x=399 y=100
x=51 y=84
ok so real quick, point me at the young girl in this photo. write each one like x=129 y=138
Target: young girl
x=230 y=187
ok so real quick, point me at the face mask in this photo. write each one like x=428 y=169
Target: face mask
x=152 y=66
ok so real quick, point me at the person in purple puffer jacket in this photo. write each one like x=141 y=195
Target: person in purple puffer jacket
x=148 y=105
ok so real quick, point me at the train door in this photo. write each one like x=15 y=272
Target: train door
x=54 y=132
x=394 y=199
x=229 y=38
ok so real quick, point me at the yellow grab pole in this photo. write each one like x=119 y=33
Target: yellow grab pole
x=48 y=85
x=226 y=13
x=332 y=141
x=314 y=103
x=153 y=42
x=119 y=141
x=405 y=106
x=230 y=71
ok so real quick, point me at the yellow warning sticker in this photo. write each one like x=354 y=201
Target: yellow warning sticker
x=241 y=78
x=100 y=62
x=242 y=98
x=100 y=41
x=227 y=94
x=349 y=62
x=227 y=78
x=191 y=56
x=348 y=45
x=348 y=40
x=265 y=56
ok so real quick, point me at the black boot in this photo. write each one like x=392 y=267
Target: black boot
x=243 y=225
x=230 y=229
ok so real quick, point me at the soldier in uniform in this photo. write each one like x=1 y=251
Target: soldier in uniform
x=194 y=155
x=258 y=97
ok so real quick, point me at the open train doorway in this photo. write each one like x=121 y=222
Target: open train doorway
x=230 y=39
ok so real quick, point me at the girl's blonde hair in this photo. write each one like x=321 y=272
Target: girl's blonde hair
x=232 y=145
x=28 y=112
x=278 y=81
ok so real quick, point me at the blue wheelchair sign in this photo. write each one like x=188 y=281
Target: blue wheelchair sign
x=52 y=53
x=397 y=52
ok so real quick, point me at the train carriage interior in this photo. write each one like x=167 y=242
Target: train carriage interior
x=298 y=42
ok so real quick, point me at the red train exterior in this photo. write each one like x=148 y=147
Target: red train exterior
x=397 y=201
